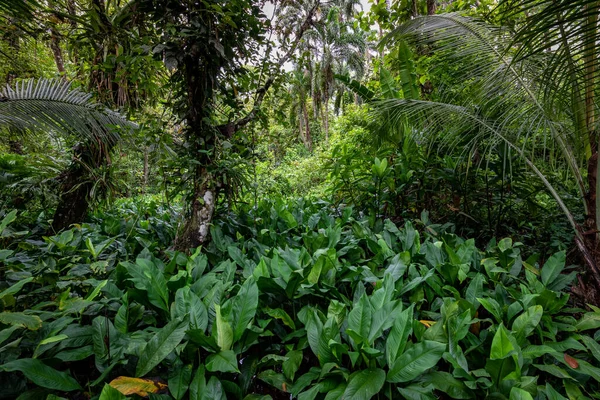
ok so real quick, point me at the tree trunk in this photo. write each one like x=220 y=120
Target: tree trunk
x=431 y=7
x=199 y=75
x=326 y=118
x=73 y=205
x=56 y=51
x=75 y=187
x=307 y=127
x=414 y=9
x=145 y=181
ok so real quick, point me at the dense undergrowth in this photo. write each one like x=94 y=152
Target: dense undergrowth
x=296 y=300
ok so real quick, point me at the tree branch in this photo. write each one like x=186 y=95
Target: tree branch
x=230 y=128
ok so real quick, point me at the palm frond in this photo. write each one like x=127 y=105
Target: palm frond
x=52 y=106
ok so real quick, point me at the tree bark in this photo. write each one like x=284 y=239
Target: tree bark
x=146 y=170
x=431 y=7
x=307 y=127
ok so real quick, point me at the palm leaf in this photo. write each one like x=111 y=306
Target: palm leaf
x=51 y=105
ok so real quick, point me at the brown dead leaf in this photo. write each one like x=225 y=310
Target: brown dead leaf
x=571 y=361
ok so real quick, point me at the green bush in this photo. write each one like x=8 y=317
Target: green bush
x=289 y=298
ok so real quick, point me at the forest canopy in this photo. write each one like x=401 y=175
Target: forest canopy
x=299 y=199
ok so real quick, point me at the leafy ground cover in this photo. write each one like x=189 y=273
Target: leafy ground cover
x=288 y=300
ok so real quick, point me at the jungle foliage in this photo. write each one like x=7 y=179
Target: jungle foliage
x=307 y=199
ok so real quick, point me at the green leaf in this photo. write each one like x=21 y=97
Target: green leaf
x=188 y=303
x=147 y=277
x=8 y=218
x=589 y=320
x=415 y=361
x=223 y=361
x=591 y=344
x=553 y=267
x=388 y=84
x=408 y=75
x=502 y=347
x=364 y=92
x=398 y=337
x=525 y=323
x=179 y=381
x=110 y=393
x=493 y=307
x=42 y=375
x=365 y=384
x=359 y=318
x=14 y=289
x=31 y=322
x=243 y=308
x=214 y=390
x=198 y=385
x=280 y=314
x=519 y=394
x=161 y=344
x=291 y=365
x=222 y=330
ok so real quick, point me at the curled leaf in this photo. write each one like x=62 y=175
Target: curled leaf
x=142 y=387
x=572 y=362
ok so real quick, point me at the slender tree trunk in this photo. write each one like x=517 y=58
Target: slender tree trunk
x=431 y=7
x=145 y=182
x=414 y=9
x=307 y=127
x=326 y=117
x=56 y=51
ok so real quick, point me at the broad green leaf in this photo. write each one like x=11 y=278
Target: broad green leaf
x=365 y=384
x=591 y=344
x=8 y=219
x=214 y=390
x=314 y=328
x=222 y=330
x=408 y=75
x=280 y=314
x=147 y=277
x=243 y=308
x=359 y=318
x=519 y=394
x=161 y=344
x=553 y=394
x=179 y=381
x=553 y=267
x=31 y=322
x=398 y=337
x=492 y=306
x=415 y=361
x=198 y=385
x=42 y=375
x=96 y=290
x=291 y=365
x=188 y=303
x=110 y=393
x=6 y=333
x=590 y=320
x=525 y=323
x=223 y=361
x=502 y=347
x=14 y=289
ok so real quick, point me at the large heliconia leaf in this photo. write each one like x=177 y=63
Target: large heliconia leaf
x=397 y=339
x=365 y=384
x=188 y=303
x=553 y=267
x=525 y=323
x=179 y=381
x=42 y=375
x=502 y=346
x=244 y=307
x=161 y=344
x=415 y=361
x=198 y=385
x=147 y=277
x=224 y=361
x=31 y=322
x=14 y=289
x=222 y=331
x=359 y=319
x=142 y=387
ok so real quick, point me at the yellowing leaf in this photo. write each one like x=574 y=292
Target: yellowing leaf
x=141 y=387
x=427 y=323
